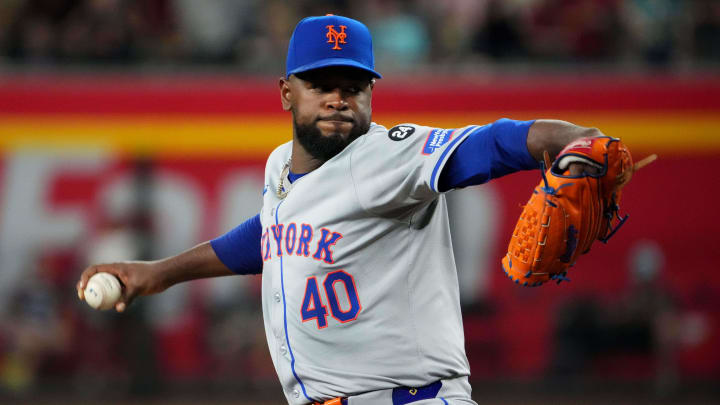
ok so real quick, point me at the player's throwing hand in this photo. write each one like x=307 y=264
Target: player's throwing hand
x=136 y=278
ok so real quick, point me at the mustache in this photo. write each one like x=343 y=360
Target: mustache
x=335 y=117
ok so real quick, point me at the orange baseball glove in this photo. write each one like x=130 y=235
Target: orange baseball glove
x=567 y=213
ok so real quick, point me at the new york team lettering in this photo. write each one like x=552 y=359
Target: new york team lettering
x=289 y=240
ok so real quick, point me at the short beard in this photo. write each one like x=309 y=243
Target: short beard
x=324 y=148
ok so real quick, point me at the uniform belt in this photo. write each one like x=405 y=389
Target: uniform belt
x=400 y=395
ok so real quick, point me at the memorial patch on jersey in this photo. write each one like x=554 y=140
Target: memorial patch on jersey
x=437 y=138
x=400 y=132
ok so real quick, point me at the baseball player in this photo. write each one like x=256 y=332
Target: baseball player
x=359 y=287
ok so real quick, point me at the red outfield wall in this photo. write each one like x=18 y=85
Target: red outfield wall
x=207 y=129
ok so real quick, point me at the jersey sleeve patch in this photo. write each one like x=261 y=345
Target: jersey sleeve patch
x=437 y=138
x=400 y=132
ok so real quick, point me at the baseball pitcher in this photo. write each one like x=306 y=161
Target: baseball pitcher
x=359 y=287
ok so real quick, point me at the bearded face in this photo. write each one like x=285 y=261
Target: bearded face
x=330 y=108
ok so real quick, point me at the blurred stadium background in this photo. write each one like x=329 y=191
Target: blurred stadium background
x=134 y=129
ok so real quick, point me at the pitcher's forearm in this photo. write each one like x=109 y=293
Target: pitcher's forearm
x=140 y=278
x=553 y=135
x=195 y=263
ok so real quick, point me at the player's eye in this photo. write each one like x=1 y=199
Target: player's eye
x=321 y=88
x=327 y=88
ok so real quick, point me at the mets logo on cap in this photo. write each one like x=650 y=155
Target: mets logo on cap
x=336 y=37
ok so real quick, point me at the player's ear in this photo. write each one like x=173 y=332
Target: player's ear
x=285 y=93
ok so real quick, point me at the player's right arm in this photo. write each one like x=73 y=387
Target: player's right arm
x=236 y=252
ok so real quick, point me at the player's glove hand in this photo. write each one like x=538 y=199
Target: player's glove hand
x=576 y=203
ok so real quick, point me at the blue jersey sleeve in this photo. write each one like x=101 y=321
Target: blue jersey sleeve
x=491 y=151
x=239 y=249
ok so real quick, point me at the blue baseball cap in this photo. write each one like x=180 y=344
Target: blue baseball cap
x=331 y=40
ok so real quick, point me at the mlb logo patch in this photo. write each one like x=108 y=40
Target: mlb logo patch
x=437 y=138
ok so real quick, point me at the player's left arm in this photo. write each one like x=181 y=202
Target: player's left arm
x=507 y=146
x=553 y=135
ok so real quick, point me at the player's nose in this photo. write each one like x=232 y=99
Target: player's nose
x=336 y=100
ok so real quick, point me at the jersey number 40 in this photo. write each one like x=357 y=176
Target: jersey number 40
x=312 y=305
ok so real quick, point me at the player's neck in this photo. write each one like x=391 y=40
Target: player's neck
x=302 y=161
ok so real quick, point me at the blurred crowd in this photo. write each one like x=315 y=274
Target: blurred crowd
x=252 y=35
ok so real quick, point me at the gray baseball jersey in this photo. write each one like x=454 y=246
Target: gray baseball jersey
x=359 y=286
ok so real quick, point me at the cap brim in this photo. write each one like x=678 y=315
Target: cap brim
x=333 y=62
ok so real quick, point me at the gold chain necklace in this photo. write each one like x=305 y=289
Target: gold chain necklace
x=281 y=192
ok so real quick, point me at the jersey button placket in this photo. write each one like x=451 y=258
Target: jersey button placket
x=296 y=393
x=276 y=310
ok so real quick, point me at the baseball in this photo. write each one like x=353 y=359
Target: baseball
x=102 y=291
